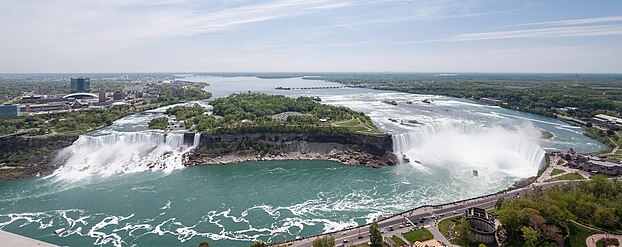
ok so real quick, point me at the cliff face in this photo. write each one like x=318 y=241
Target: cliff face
x=350 y=149
x=25 y=157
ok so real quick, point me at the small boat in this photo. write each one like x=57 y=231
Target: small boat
x=427 y=101
x=475 y=173
x=405 y=159
x=59 y=231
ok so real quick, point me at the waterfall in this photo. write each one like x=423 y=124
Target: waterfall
x=123 y=152
x=467 y=147
x=197 y=139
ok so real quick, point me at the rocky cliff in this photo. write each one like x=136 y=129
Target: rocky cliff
x=25 y=156
x=349 y=149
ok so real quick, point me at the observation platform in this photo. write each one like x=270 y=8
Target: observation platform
x=12 y=239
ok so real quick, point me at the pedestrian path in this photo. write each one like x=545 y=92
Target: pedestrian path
x=591 y=240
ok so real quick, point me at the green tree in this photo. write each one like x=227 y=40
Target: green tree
x=530 y=236
x=375 y=236
x=466 y=236
x=159 y=123
x=326 y=241
x=482 y=245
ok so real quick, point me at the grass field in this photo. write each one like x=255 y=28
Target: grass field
x=418 y=235
x=398 y=241
x=443 y=226
x=569 y=176
x=578 y=234
x=557 y=171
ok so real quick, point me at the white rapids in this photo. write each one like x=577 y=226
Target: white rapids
x=123 y=152
x=466 y=147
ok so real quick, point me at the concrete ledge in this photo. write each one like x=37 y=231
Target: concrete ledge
x=12 y=239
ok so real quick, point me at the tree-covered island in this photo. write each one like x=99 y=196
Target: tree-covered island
x=262 y=113
x=256 y=126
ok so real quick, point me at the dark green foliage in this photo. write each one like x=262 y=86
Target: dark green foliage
x=185 y=112
x=75 y=121
x=252 y=113
x=466 y=236
x=375 y=235
x=159 y=123
x=596 y=203
x=326 y=241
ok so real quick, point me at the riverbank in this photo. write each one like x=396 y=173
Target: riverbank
x=32 y=156
x=346 y=148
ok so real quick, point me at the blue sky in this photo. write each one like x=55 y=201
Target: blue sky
x=311 y=35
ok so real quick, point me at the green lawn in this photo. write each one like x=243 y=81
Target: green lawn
x=418 y=235
x=578 y=234
x=443 y=226
x=557 y=171
x=569 y=176
x=398 y=241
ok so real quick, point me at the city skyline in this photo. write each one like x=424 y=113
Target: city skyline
x=311 y=36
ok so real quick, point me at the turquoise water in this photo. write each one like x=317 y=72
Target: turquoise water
x=107 y=194
x=230 y=204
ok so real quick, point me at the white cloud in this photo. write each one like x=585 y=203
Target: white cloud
x=576 y=21
x=557 y=32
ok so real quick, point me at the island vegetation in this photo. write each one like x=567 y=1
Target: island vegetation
x=262 y=113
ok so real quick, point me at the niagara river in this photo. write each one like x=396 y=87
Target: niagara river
x=125 y=185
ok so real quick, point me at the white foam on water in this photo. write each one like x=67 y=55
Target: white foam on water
x=465 y=147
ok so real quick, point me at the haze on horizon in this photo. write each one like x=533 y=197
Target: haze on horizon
x=311 y=35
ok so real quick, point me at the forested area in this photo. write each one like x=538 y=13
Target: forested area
x=595 y=94
x=253 y=112
x=75 y=121
x=542 y=218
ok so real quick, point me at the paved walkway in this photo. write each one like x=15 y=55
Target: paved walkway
x=12 y=239
x=439 y=236
x=553 y=164
x=591 y=240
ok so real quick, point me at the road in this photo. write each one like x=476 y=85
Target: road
x=426 y=216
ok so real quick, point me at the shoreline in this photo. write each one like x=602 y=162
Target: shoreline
x=429 y=211
x=347 y=158
x=346 y=148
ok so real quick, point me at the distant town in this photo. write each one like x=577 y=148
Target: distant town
x=136 y=93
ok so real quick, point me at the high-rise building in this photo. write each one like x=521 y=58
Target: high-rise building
x=102 y=96
x=119 y=95
x=9 y=110
x=80 y=85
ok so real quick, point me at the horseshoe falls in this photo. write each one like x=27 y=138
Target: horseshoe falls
x=465 y=148
x=125 y=185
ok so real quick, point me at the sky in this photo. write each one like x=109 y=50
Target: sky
x=559 y=36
